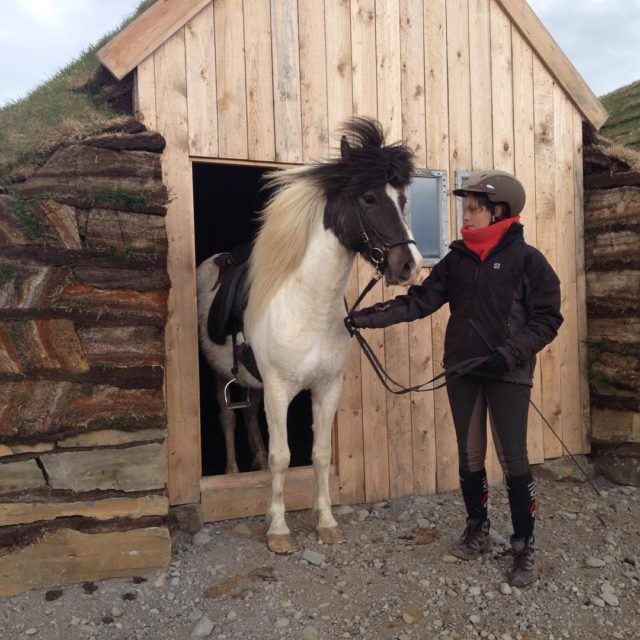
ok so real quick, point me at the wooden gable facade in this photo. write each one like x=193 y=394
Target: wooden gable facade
x=470 y=84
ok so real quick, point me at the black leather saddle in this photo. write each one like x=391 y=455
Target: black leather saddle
x=227 y=308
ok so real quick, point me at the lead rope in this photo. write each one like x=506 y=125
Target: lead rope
x=453 y=373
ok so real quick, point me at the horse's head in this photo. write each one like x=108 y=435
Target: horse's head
x=366 y=197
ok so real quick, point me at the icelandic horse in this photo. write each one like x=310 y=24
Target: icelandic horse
x=318 y=219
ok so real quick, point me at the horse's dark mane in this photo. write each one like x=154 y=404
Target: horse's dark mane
x=369 y=163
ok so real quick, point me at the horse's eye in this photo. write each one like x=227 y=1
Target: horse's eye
x=369 y=199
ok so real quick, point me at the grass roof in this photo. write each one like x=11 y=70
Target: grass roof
x=59 y=109
x=623 y=106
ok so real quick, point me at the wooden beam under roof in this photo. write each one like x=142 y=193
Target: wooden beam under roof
x=552 y=56
x=146 y=33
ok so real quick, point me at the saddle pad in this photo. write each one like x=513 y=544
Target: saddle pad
x=225 y=314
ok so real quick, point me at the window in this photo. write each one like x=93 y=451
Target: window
x=428 y=217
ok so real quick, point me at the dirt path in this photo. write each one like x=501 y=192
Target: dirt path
x=392 y=579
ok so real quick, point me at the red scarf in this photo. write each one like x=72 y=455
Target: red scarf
x=481 y=241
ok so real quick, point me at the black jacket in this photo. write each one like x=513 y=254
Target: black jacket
x=513 y=297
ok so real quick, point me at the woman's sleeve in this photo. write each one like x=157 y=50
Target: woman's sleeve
x=545 y=319
x=420 y=301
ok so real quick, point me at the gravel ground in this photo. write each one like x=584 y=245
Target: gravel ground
x=392 y=578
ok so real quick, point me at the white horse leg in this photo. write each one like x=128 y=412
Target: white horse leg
x=276 y=403
x=325 y=405
x=256 y=443
x=228 y=424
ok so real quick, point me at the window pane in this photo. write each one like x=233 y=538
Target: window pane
x=426 y=208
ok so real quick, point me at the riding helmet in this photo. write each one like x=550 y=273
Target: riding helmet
x=499 y=186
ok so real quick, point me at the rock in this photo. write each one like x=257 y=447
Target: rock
x=505 y=589
x=31 y=631
x=610 y=598
x=342 y=510
x=313 y=557
x=115 y=612
x=203 y=628
x=449 y=559
x=195 y=615
x=566 y=515
x=407 y=618
x=405 y=516
x=363 y=514
x=160 y=580
x=607 y=586
x=622 y=506
x=598 y=602
x=19 y=476
x=201 y=538
x=474 y=619
x=594 y=563
x=621 y=465
x=565 y=469
x=242 y=529
x=496 y=538
x=451 y=593
x=474 y=591
x=378 y=564
x=281 y=623
x=310 y=633
x=232 y=615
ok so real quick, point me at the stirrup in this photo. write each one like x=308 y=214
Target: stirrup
x=239 y=404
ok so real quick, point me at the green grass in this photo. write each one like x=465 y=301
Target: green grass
x=54 y=111
x=623 y=106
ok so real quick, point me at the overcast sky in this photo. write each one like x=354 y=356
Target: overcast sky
x=38 y=37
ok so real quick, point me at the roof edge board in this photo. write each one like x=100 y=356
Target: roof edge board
x=138 y=40
x=555 y=60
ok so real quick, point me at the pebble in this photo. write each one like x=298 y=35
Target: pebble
x=599 y=602
x=363 y=514
x=407 y=618
x=159 y=581
x=203 y=628
x=449 y=559
x=474 y=619
x=594 y=563
x=405 y=516
x=281 y=623
x=201 y=538
x=566 y=515
x=313 y=557
x=242 y=529
x=232 y=615
x=610 y=598
x=505 y=589
x=115 y=612
x=30 y=631
x=451 y=593
x=342 y=510
x=310 y=633
x=475 y=591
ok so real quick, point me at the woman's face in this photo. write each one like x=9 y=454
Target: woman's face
x=475 y=215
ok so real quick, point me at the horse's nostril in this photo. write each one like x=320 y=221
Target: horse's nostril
x=408 y=268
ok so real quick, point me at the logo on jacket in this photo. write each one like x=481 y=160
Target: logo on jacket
x=496 y=265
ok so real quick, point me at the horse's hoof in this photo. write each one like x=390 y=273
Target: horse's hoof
x=260 y=463
x=280 y=543
x=329 y=535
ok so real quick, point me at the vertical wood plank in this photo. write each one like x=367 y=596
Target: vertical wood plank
x=480 y=81
x=546 y=240
x=201 y=84
x=524 y=157
x=581 y=300
x=181 y=333
x=339 y=107
x=396 y=337
x=146 y=93
x=259 y=71
x=313 y=80
x=437 y=126
x=363 y=56
x=566 y=260
x=420 y=340
x=230 y=78
x=374 y=405
x=286 y=80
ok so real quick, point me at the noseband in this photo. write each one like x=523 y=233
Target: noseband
x=377 y=255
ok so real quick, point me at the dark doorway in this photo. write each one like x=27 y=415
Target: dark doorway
x=226 y=199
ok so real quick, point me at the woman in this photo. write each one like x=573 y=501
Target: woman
x=503 y=292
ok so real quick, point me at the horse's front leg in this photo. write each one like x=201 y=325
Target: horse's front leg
x=325 y=404
x=276 y=403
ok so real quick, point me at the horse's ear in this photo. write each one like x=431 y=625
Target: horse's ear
x=345 y=149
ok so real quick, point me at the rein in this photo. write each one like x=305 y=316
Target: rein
x=455 y=372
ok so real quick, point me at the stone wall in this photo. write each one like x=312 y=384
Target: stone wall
x=83 y=293
x=612 y=253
